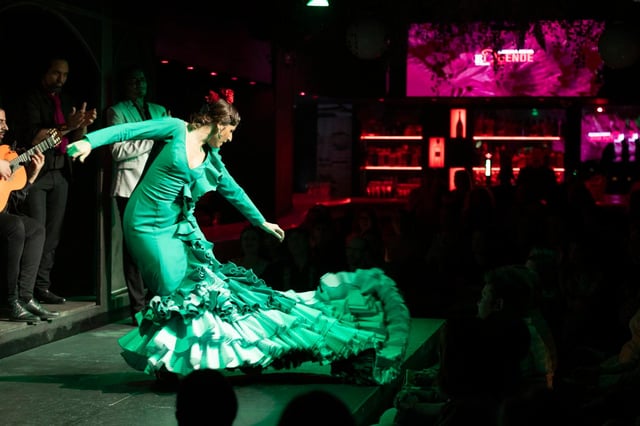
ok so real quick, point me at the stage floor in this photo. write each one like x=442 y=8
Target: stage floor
x=82 y=380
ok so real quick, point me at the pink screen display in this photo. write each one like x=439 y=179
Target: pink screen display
x=607 y=131
x=544 y=58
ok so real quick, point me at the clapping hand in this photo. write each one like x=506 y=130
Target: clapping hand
x=80 y=118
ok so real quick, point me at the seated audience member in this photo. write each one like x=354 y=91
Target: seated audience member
x=325 y=240
x=297 y=270
x=316 y=408
x=479 y=365
x=508 y=295
x=630 y=351
x=21 y=239
x=366 y=225
x=616 y=368
x=360 y=253
x=425 y=202
x=610 y=392
x=502 y=322
x=206 y=397
x=586 y=332
x=252 y=253
x=536 y=181
x=548 y=298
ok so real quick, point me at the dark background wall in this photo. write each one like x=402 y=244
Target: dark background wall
x=282 y=46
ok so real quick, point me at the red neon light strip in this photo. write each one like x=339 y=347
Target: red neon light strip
x=390 y=168
x=517 y=138
x=373 y=137
x=515 y=169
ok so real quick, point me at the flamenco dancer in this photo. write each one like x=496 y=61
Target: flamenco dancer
x=208 y=314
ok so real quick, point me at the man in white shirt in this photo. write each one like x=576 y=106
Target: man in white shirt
x=130 y=159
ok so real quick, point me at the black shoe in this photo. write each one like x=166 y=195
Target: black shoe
x=37 y=309
x=45 y=296
x=17 y=312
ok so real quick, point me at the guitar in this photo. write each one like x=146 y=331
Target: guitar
x=18 y=178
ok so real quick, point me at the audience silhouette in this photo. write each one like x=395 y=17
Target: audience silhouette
x=206 y=389
x=316 y=408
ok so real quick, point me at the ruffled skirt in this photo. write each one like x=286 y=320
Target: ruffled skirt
x=225 y=317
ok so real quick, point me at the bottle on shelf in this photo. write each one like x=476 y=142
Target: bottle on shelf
x=459 y=126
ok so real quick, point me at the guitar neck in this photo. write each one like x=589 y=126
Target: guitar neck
x=46 y=144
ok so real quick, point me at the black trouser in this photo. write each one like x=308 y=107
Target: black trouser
x=21 y=242
x=47 y=203
x=132 y=276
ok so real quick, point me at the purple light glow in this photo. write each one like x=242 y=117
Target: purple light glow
x=545 y=58
x=605 y=129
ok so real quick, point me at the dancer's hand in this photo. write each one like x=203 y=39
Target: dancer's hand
x=79 y=150
x=273 y=229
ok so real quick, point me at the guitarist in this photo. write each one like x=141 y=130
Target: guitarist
x=21 y=243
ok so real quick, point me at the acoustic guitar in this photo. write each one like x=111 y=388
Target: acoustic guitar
x=18 y=178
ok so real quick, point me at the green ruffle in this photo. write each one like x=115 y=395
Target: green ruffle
x=218 y=327
x=239 y=322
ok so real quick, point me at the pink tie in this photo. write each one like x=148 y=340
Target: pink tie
x=60 y=120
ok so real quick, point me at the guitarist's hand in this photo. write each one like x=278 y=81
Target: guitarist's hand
x=79 y=150
x=5 y=169
x=35 y=165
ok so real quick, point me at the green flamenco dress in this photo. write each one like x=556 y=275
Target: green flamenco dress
x=208 y=314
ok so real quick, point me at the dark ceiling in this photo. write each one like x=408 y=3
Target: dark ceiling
x=292 y=22
x=317 y=37
x=320 y=35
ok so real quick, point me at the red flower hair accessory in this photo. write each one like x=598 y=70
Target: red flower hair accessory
x=227 y=95
x=212 y=97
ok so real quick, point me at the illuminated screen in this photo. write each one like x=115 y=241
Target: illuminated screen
x=609 y=134
x=544 y=58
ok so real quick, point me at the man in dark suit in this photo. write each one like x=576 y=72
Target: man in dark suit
x=48 y=107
